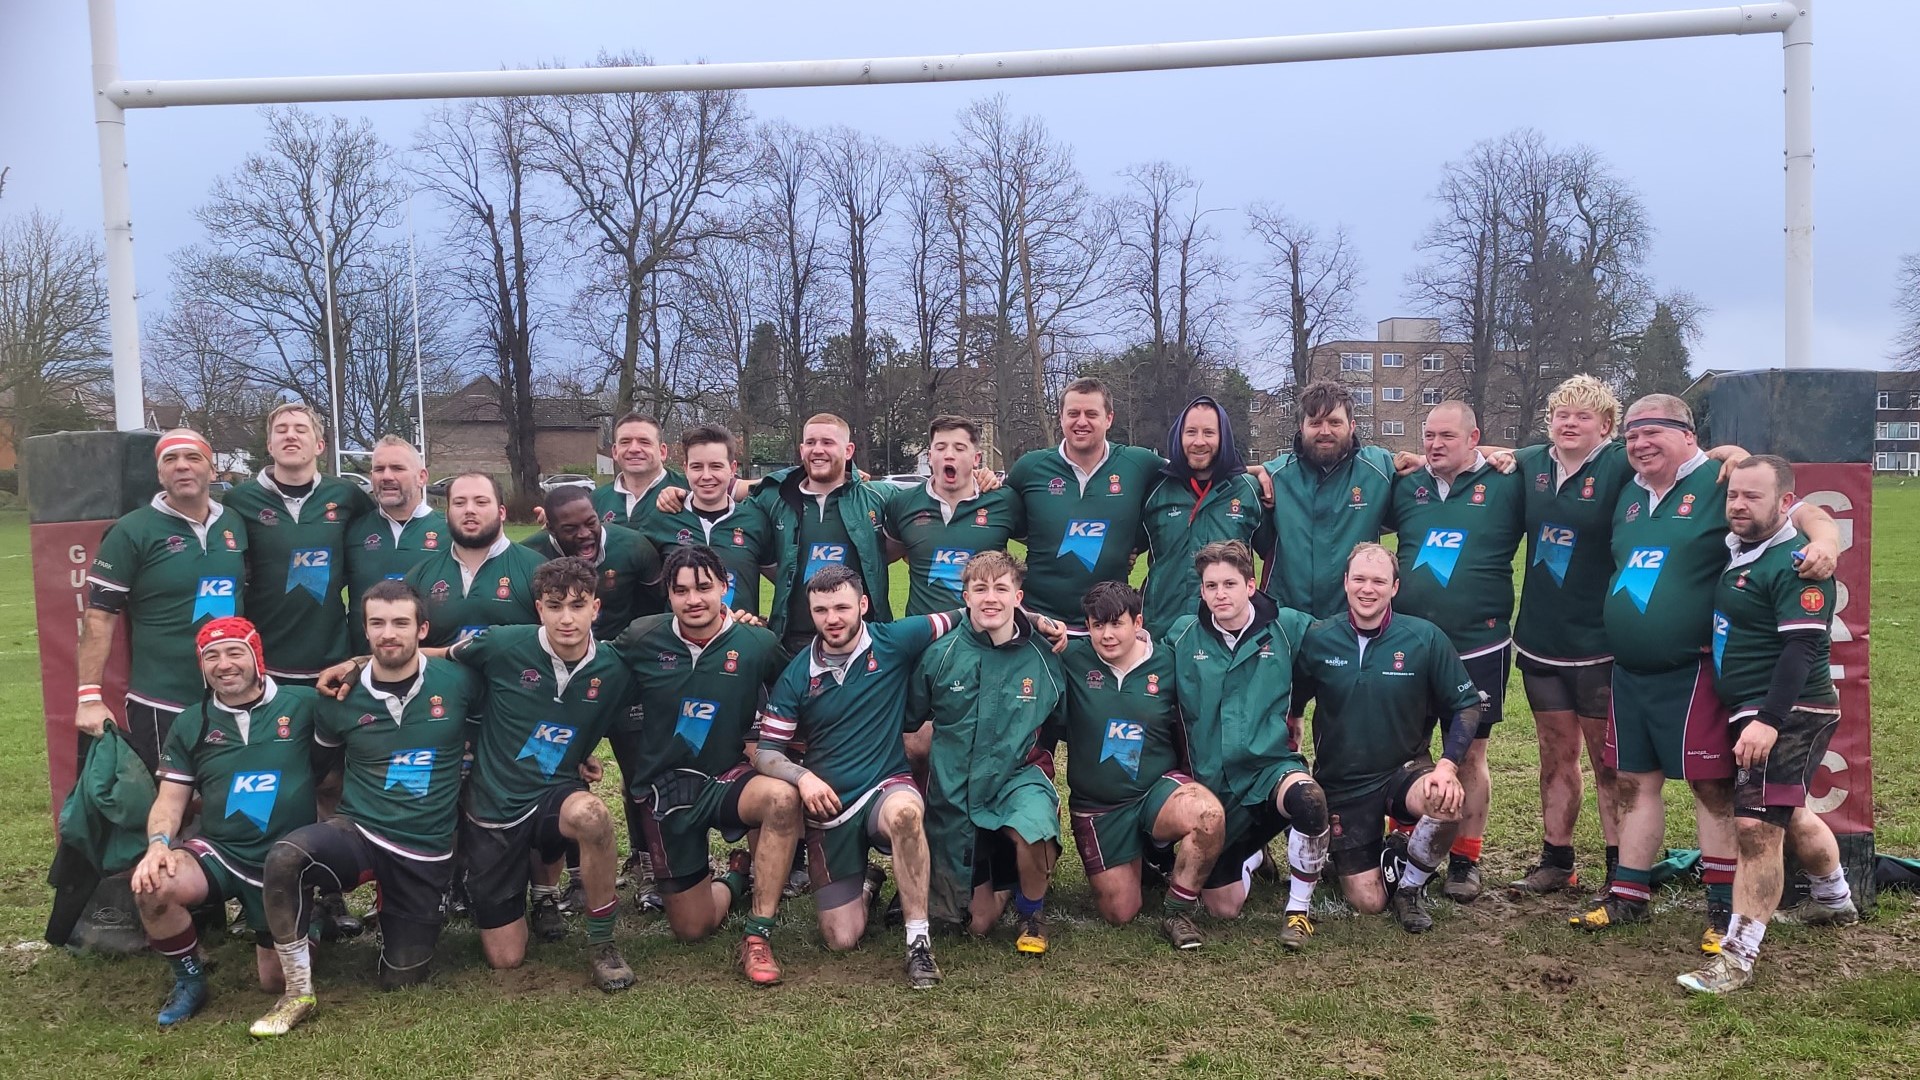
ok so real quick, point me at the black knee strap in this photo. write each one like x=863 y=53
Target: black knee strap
x=1305 y=805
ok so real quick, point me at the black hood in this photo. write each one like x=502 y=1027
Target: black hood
x=1225 y=463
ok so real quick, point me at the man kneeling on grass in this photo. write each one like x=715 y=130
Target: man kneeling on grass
x=993 y=815
x=247 y=751
x=1125 y=768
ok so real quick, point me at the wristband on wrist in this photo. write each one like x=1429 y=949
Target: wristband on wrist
x=160 y=838
x=89 y=692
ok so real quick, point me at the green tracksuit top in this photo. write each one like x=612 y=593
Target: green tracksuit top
x=1317 y=519
x=1176 y=524
x=1233 y=702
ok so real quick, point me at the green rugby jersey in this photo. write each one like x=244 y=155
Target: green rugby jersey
x=1456 y=552
x=541 y=718
x=1081 y=527
x=1373 y=703
x=402 y=778
x=1233 y=702
x=253 y=768
x=742 y=534
x=1569 y=553
x=1176 y=523
x=501 y=592
x=171 y=576
x=1121 y=729
x=629 y=576
x=635 y=512
x=698 y=703
x=1317 y=519
x=1760 y=597
x=296 y=555
x=1667 y=557
x=940 y=539
x=379 y=548
x=849 y=717
x=987 y=704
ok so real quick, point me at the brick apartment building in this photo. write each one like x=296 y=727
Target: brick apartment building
x=1395 y=379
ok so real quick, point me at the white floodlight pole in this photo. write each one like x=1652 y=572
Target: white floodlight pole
x=333 y=369
x=1797 y=44
x=419 y=373
x=116 y=202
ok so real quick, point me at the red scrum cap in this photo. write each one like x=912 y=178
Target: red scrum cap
x=232 y=628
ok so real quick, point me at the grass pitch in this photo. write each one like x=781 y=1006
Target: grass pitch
x=1498 y=989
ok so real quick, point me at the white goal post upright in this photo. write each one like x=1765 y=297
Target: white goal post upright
x=113 y=96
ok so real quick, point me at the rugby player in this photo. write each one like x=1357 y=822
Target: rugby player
x=700 y=675
x=1082 y=503
x=399 y=734
x=171 y=567
x=1204 y=494
x=1124 y=768
x=1771 y=669
x=1329 y=493
x=551 y=695
x=845 y=699
x=1233 y=669
x=939 y=526
x=1668 y=551
x=400 y=532
x=246 y=750
x=296 y=522
x=1378 y=677
x=627 y=563
x=641 y=456
x=482 y=579
x=1459 y=521
x=993 y=814
x=739 y=530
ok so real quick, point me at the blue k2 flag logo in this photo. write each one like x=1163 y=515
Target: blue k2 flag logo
x=307 y=569
x=252 y=797
x=214 y=599
x=547 y=746
x=1084 y=540
x=411 y=771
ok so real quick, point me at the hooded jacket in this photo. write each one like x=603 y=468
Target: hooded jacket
x=860 y=504
x=1233 y=702
x=1318 y=516
x=1183 y=515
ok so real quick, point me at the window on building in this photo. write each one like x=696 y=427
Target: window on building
x=1356 y=361
x=1393 y=393
x=1392 y=359
x=1366 y=430
x=1393 y=427
x=1466 y=363
x=1512 y=434
x=1883 y=400
x=1433 y=362
x=1430 y=396
x=1913 y=401
x=1362 y=395
x=1883 y=462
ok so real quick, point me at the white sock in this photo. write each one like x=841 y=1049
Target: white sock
x=1742 y=943
x=544 y=892
x=1429 y=841
x=1300 y=892
x=918 y=929
x=1413 y=875
x=296 y=965
x=1830 y=890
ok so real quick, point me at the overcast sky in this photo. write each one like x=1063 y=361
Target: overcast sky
x=1695 y=125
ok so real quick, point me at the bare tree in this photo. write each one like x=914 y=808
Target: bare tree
x=860 y=176
x=1906 y=308
x=931 y=272
x=1171 y=280
x=1307 y=286
x=789 y=223
x=196 y=354
x=1470 y=257
x=722 y=289
x=644 y=175
x=477 y=157
x=53 y=319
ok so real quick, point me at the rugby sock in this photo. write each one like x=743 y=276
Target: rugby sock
x=1026 y=907
x=1306 y=856
x=1422 y=855
x=296 y=964
x=1830 y=890
x=1179 y=900
x=179 y=951
x=917 y=929
x=1558 y=856
x=1718 y=875
x=600 y=924
x=1468 y=848
x=1632 y=886
x=1741 y=946
x=543 y=892
x=757 y=926
x=736 y=885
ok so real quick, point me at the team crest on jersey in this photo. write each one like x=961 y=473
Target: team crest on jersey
x=1479 y=493
x=176 y=544
x=505 y=589
x=1153 y=684
x=593 y=689
x=739 y=538
x=1056 y=486
x=268 y=516
x=873 y=518
x=1233 y=508
x=1266 y=652
x=529 y=679
x=1026 y=689
x=733 y=661
x=873 y=663
x=1420 y=495
x=439 y=590
x=372 y=542
x=436 y=708
x=607 y=518
x=669 y=661
x=1113 y=483
x=609 y=579
x=365 y=719
x=1741 y=581
x=1812 y=600
x=333 y=512
x=432 y=542
x=1686 y=506
x=1096 y=680
x=1399 y=661
x=684 y=536
x=1633 y=511
x=215 y=737
x=1586 y=488
x=283 y=727
x=1540 y=481
x=1359 y=499
x=228 y=534
x=980 y=518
